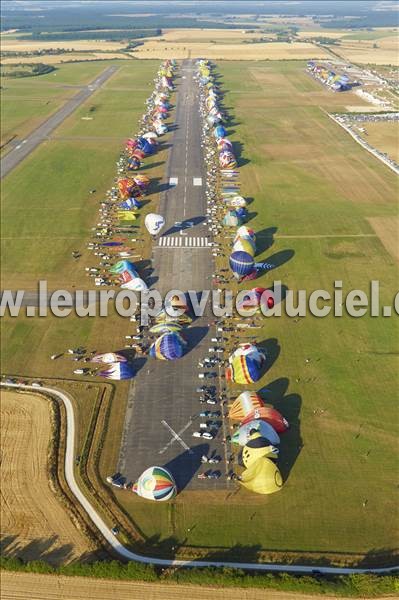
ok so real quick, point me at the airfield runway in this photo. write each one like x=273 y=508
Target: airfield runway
x=163 y=406
x=23 y=148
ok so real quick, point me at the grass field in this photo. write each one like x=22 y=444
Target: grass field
x=25 y=103
x=384 y=136
x=33 y=522
x=318 y=188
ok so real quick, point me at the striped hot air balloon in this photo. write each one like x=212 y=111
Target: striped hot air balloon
x=156 y=483
x=244 y=404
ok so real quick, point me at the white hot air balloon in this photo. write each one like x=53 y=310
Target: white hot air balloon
x=154 y=223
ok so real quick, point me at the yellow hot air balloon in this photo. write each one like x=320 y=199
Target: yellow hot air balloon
x=262 y=477
x=257 y=447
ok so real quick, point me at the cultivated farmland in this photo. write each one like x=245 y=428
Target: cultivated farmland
x=34 y=524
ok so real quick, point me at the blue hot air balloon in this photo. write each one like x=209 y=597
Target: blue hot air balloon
x=241 y=263
x=169 y=346
x=220 y=132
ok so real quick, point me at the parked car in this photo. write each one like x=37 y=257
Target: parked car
x=203 y=434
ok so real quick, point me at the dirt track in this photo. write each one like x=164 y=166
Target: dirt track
x=34 y=524
x=20 y=586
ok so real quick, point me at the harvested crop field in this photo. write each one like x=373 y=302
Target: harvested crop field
x=34 y=525
x=235 y=51
x=382 y=51
x=384 y=136
x=19 y=585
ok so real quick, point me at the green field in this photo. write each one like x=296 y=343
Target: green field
x=317 y=188
x=26 y=102
x=47 y=212
x=315 y=185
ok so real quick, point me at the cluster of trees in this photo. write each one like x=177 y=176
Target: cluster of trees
x=111 y=36
x=356 y=586
x=29 y=70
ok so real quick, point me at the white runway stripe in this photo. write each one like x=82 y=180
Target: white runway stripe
x=182 y=242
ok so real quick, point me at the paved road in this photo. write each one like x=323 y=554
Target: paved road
x=162 y=396
x=128 y=554
x=25 y=147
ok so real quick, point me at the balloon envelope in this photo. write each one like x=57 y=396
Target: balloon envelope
x=156 y=483
x=108 y=357
x=170 y=346
x=118 y=371
x=269 y=415
x=244 y=404
x=243 y=434
x=154 y=223
x=262 y=477
x=241 y=263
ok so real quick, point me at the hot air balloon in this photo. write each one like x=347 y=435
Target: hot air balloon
x=169 y=346
x=244 y=404
x=220 y=132
x=171 y=327
x=125 y=215
x=129 y=204
x=256 y=447
x=256 y=299
x=154 y=223
x=227 y=160
x=125 y=185
x=231 y=219
x=244 y=245
x=156 y=483
x=224 y=144
x=134 y=163
x=262 y=477
x=141 y=180
x=245 y=365
x=241 y=263
x=136 y=285
x=269 y=415
x=118 y=371
x=245 y=232
x=108 y=357
x=163 y=317
x=237 y=202
x=243 y=434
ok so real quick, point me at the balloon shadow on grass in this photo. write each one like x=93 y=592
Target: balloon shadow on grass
x=272 y=350
x=265 y=239
x=184 y=466
x=278 y=259
x=289 y=405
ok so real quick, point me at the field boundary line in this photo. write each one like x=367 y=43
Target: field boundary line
x=128 y=554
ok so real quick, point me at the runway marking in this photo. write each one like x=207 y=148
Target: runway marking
x=180 y=242
x=176 y=437
x=197 y=181
x=173 y=180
